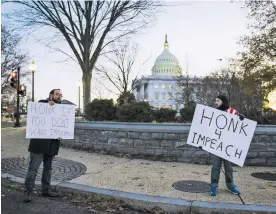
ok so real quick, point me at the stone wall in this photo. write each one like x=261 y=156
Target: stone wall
x=166 y=142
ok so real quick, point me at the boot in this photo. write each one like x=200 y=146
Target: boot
x=50 y=193
x=27 y=196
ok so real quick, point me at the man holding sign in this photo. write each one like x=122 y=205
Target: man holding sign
x=225 y=134
x=42 y=150
x=223 y=105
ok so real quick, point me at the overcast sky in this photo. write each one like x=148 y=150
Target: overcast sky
x=205 y=31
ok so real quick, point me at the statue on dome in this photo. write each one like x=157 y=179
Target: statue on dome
x=166 y=44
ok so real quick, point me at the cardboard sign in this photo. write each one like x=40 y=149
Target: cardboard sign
x=221 y=133
x=45 y=121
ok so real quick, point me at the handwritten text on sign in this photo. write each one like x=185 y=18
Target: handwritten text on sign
x=47 y=121
x=221 y=133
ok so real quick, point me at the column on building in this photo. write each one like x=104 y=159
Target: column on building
x=150 y=91
x=142 y=92
x=146 y=91
x=135 y=93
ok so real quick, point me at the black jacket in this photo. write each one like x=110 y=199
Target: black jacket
x=44 y=146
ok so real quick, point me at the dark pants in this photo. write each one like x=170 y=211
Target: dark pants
x=216 y=172
x=35 y=161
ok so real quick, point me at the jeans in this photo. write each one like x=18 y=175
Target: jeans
x=216 y=172
x=35 y=161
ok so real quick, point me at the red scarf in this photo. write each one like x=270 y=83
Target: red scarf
x=232 y=111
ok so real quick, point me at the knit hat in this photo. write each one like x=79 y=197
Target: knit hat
x=223 y=99
x=225 y=102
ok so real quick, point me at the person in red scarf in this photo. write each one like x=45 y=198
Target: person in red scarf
x=222 y=104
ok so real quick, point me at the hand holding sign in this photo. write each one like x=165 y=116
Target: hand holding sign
x=51 y=102
x=221 y=133
x=241 y=116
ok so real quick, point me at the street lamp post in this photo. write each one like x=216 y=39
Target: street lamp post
x=17 y=122
x=79 y=85
x=33 y=68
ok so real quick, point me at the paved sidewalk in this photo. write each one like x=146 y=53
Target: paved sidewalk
x=150 y=177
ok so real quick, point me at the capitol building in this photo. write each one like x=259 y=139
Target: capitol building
x=161 y=88
x=158 y=89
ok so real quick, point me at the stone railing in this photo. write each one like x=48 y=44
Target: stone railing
x=166 y=142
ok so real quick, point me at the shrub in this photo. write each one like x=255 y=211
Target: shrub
x=128 y=96
x=164 y=115
x=187 y=114
x=269 y=118
x=100 y=110
x=134 y=112
x=253 y=114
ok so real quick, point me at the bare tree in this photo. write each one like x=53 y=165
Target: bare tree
x=97 y=89
x=119 y=74
x=224 y=81
x=88 y=27
x=204 y=91
x=11 y=56
x=185 y=90
x=98 y=93
x=186 y=87
x=229 y=83
x=8 y=96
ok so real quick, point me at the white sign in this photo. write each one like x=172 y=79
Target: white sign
x=47 y=121
x=221 y=133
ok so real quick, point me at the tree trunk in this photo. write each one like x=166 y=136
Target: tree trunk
x=125 y=100
x=86 y=81
x=125 y=97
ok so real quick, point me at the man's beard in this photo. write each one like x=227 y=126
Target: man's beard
x=55 y=100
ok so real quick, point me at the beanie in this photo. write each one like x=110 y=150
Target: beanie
x=223 y=99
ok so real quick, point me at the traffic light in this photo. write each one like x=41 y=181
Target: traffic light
x=13 y=79
x=22 y=90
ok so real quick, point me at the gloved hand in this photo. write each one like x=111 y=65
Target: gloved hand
x=241 y=116
x=51 y=103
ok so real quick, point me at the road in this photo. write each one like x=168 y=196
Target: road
x=12 y=196
x=12 y=203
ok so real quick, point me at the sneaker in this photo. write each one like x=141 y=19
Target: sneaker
x=28 y=196
x=50 y=194
x=234 y=190
x=213 y=191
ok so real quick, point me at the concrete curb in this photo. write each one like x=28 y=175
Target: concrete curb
x=169 y=205
x=147 y=202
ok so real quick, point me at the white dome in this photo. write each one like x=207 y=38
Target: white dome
x=166 y=58
x=166 y=63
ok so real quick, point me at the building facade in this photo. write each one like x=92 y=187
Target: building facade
x=159 y=88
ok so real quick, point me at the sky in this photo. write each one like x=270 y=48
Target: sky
x=200 y=31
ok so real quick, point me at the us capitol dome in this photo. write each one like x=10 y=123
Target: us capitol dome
x=166 y=63
x=158 y=89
